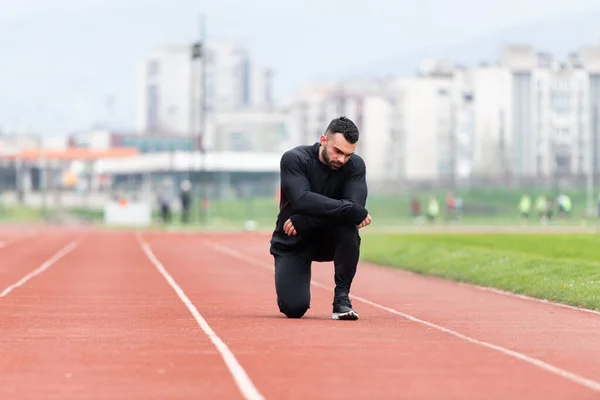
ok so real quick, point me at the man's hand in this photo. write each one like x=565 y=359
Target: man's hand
x=289 y=229
x=365 y=222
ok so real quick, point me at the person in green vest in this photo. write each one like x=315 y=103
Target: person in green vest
x=433 y=208
x=525 y=206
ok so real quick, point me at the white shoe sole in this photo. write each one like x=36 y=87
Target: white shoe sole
x=349 y=316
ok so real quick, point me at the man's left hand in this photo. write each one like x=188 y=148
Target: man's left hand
x=365 y=222
x=289 y=229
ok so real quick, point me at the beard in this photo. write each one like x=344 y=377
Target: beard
x=331 y=164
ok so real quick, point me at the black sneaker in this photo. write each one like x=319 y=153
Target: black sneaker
x=342 y=309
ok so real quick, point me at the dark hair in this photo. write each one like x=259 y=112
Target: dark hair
x=344 y=126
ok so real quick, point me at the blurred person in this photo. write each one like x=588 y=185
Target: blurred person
x=458 y=208
x=323 y=196
x=450 y=205
x=185 y=196
x=525 y=206
x=433 y=208
x=165 y=199
x=549 y=209
x=415 y=207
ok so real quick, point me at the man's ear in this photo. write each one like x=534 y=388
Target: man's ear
x=323 y=139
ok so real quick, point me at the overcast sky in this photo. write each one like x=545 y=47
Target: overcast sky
x=61 y=58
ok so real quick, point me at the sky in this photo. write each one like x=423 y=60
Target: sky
x=61 y=59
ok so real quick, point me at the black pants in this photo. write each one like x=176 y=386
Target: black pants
x=165 y=213
x=185 y=214
x=340 y=244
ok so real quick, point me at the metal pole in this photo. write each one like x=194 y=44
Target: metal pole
x=591 y=161
x=191 y=121
x=453 y=140
x=201 y=141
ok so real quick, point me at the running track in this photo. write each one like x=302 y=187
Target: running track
x=122 y=315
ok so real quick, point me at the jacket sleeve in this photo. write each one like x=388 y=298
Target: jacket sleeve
x=355 y=187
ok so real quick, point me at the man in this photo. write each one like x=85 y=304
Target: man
x=165 y=198
x=185 y=196
x=322 y=207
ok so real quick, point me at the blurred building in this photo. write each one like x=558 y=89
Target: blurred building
x=169 y=86
x=412 y=129
x=526 y=116
x=361 y=101
x=432 y=126
x=535 y=115
x=310 y=111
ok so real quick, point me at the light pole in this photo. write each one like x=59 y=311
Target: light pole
x=199 y=52
x=203 y=124
x=591 y=160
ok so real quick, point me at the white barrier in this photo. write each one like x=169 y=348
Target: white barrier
x=127 y=213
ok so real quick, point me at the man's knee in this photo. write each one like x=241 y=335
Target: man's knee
x=293 y=308
x=292 y=284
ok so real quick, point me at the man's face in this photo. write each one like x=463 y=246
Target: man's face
x=336 y=150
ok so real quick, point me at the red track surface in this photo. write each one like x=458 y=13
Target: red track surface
x=185 y=316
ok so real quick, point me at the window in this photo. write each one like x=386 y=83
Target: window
x=152 y=107
x=561 y=103
x=238 y=142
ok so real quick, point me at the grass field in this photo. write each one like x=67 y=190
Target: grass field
x=556 y=267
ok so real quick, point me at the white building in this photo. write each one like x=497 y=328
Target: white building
x=591 y=61
x=431 y=126
x=417 y=128
x=309 y=112
x=361 y=101
x=526 y=116
x=163 y=91
x=169 y=86
x=491 y=108
x=260 y=87
x=534 y=114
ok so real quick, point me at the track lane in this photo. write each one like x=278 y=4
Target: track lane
x=381 y=356
x=27 y=254
x=103 y=324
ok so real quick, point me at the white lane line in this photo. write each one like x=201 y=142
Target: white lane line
x=55 y=258
x=243 y=382
x=501 y=292
x=589 y=383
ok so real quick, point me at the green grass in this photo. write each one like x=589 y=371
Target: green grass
x=557 y=267
x=20 y=213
